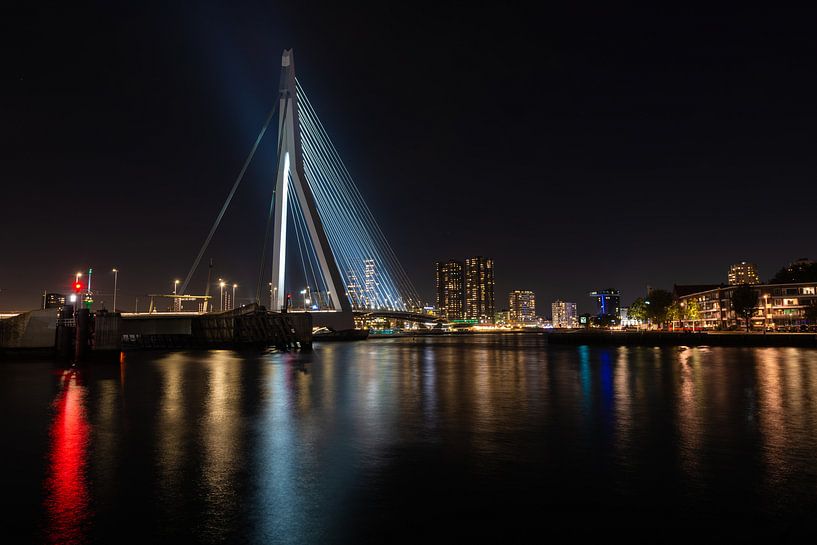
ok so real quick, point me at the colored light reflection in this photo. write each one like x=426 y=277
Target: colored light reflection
x=66 y=486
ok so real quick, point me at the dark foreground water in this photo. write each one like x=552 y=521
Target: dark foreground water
x=487 y=438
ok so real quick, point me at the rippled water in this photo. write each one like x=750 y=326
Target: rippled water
x=464 y=438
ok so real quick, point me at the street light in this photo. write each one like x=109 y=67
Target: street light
x=765 y=312
x=232 y=306
x=221 y=284
x=115 y=277
x=176 y=305
x=303 y=292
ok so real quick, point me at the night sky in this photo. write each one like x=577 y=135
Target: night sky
x=580 y=148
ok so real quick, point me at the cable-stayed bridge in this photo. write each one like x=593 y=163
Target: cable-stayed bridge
x=329 y=255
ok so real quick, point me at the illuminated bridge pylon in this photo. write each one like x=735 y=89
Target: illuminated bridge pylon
x=346 y=262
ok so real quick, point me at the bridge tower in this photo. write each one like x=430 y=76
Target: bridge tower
x=290 y=166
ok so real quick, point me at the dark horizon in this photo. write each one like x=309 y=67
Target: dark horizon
x=583 y=150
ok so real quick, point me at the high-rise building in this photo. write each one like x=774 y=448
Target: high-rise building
x=743 y=273
x=370 y=283
x=608 y=304
x=564 y=314
x=479 y=289
x=354 y=291
x=522 y=306
x=450 y=290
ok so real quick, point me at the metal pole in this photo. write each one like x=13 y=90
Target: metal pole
x=232 y=302
x=115 y=275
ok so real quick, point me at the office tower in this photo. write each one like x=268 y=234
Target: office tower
x=354 y=291
x=522 y=306
x=370 y=283
x=479 y=289
x=450 y=290
x=608 y=304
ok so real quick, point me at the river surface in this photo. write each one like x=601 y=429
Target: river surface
x=461 y=439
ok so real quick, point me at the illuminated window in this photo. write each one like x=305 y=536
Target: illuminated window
x=808 y=290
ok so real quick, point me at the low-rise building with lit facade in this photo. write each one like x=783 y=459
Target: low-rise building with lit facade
x=502 y=317
x=779 y=306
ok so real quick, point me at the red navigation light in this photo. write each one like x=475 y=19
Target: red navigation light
x=78 y=286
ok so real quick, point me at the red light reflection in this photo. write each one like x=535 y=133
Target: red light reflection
x=66 y=486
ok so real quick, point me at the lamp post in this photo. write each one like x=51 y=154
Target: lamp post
x=221 y=284
x=303 y=292
x=232 y=304
x=765 y=312
x=115 y=277
x=175 y=299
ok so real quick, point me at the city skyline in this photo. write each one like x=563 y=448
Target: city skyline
x=111 y=133
x=457 y=272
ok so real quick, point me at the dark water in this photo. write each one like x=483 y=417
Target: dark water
x=458 y=439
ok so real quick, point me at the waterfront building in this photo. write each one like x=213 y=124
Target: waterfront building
x=779 y=306
x=624 y=316
x=450 y=290
x=743 y=273
x=502 y=317
x=608 y=305
x=479 y=289
x=521 y=307
x=53 y=300
x=563 y=314
x=626 y=320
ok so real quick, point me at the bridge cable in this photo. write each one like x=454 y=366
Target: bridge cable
x=343 y=176
x=229 y=197
x=339 y=199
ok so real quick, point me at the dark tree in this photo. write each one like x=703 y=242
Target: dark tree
x=658 y=305
x=799 y=271
x=744 y=301
x=811 y=313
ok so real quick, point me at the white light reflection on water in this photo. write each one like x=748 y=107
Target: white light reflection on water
x=312 y=448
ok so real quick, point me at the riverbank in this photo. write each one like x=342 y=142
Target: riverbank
x=670 y=338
